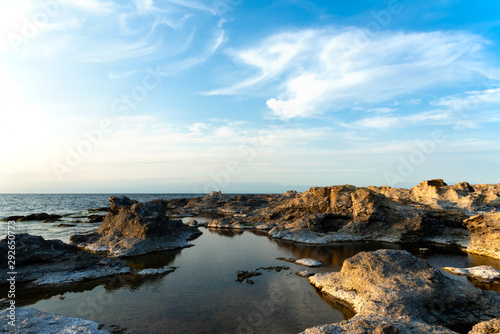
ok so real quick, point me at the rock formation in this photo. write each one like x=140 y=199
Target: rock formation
x=485 y=234
x=394 y=292
x=132 y=228
x=52 y=262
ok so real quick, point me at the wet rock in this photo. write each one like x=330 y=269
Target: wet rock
x=104 y=209
x=43 y=262
x=32 y=217
x=29 y=320
x=396 y=288
x=244 y=276
x=482 y=274
x=309 y=262
x=95 y=218
x=132 y=228
x=274 y=268
x=156 y=271
x=485 y=234
x=66 y=225
x=304 y=273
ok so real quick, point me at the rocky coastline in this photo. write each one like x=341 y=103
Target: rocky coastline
x=390 y=291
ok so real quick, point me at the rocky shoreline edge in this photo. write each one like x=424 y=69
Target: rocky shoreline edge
x=462 y=215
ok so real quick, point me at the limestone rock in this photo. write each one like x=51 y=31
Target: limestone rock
x=52 y=262
x=404 y=291
x=485 y=234
x=132 y=228
x=486 y=327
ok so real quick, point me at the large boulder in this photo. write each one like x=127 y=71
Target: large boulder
x=485 y=234
x=132 y=228
x=396 y=290
x=42 y=262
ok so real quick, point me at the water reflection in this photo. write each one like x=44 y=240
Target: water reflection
x=202 y=295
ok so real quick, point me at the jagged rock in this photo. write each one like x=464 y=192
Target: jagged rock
x=29 y=320
x=485 y=234
x=52 y=262
x=483 y=274
x=348 y=213
x=95 y=218
x=244 y=276
x=132 y=228
x=396 y=289
x=486 y=327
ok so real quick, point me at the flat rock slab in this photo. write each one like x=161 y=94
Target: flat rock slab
x=484 y=274
x=30 y=320
x=156 y=271
x=309 y=262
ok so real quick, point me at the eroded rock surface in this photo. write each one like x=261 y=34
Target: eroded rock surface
x=132 y=228
x=43 y=262
x=30 y=320
x=404 y=294
x=485 y=234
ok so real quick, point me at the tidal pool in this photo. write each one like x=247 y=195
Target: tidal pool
x=203 y=296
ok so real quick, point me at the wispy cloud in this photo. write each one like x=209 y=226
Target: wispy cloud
x=321 y=70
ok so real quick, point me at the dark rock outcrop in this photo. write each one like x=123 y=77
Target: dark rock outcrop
x=52 y=262
x=132 y=228
x=485 y=234
x=35 y=216
x=393 y=291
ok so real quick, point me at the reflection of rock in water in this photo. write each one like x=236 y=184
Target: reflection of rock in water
x=153 y=260
x=344 y=307
x=225 y=232
x=133 y=282
x=333 y=254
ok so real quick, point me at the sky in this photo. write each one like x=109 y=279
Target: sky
x=191 y=96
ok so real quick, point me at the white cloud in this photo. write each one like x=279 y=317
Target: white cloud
x=95 y=6
x=471 y=100
x=319 y=70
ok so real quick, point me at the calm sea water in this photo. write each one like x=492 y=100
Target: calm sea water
x=72 y=206
x=202 y=295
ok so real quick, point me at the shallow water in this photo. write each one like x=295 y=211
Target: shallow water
x=202 y=295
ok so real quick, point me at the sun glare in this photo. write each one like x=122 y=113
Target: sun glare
x=12 y=15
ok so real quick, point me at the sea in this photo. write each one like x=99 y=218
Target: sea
x=203 y=295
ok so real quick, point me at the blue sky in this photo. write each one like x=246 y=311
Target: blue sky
x=246 y=96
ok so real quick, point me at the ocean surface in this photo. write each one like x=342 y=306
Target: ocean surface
x=73 y=207
x=202 y=294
